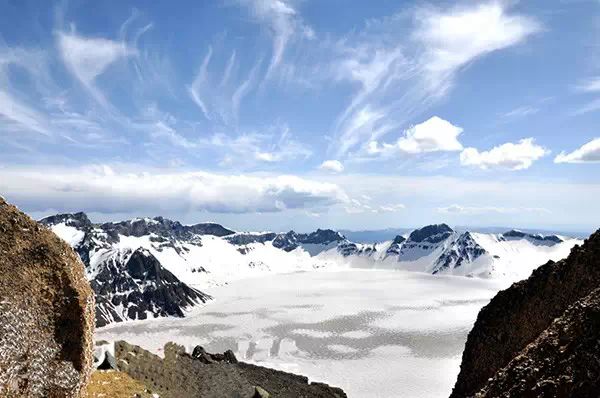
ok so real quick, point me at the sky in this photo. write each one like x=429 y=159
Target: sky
x=298 y=114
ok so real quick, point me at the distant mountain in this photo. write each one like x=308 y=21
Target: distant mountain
x=153 y=267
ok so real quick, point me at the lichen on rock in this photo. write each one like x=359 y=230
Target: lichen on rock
x=46 y=312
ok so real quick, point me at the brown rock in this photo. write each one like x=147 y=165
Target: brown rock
x=46 y=312
x=517 y=316
x=182 y=375
x=564 y=361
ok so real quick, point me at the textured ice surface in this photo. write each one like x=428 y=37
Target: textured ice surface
x=374 y=333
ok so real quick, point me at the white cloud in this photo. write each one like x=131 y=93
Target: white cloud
x=14 y=111
x=88 y=57
x=273 y=144
x=106 y=189
x=355 y=206
x=433 y=135
x=455 y=37
x=522 y=111
x=334 y=166
x=197 y=87
x=509 y=156
x=398 y=79
x=588 y=153
x=16 y=114
x=473 y=210
x=591 y=85
x=220 y=97
x=283 y=21
x=392 y=208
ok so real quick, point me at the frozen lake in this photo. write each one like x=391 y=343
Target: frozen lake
x=374 y=333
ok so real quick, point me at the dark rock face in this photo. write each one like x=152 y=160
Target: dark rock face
x=46 y=312
x=396 y=247
x=162 y=227
x=321 y=237
x=246 y=239
x=464 y=249
x=286 y=242
x=133 y=284
x=136 y=282
x=347 y=249
x=431 y=234
x=525 y=312
x=213 y=375
x=543 y=239
x=564 y=361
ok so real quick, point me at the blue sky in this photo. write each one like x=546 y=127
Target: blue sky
x=279 y=114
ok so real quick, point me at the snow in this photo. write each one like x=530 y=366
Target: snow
x=376 y=333
x=71 y=235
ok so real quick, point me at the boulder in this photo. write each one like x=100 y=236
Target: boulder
x=46 y=312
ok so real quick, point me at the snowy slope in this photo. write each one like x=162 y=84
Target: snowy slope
x=188 y=258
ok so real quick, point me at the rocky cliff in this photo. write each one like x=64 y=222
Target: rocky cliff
x=206 y=375
x=46 y=312
x=538 y=338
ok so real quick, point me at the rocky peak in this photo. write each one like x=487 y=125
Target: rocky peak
x=78 y=220
x=463 y=250
x=399 y=239
x=431 y=233
x=514 y=233
x=287 y=241
x=323 y=237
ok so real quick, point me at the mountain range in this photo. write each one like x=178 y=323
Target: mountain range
x=150 y=267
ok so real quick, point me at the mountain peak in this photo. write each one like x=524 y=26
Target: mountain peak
x=78 y=220
x=431 y=233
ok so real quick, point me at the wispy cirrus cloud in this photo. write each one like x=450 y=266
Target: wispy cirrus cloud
x=89 y=57
x=273 y=144
x=219 y=96
x=284 y=24
x=397 y=80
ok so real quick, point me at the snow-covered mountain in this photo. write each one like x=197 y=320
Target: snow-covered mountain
x=153 y=267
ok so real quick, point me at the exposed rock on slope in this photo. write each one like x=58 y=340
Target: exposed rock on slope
x=213 y=376
x=130 y=283
x=46 y=312
x=564 y=361
x=525 y=315
x=134 y=285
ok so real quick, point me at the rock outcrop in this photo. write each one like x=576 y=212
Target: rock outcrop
x=564 y=361
x=46 y=312
x=213 y=375
x=539 y=338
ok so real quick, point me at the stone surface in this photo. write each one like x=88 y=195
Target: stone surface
x=212 y=375
x=46 y=312
x=519 y=315
x=564 y=361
